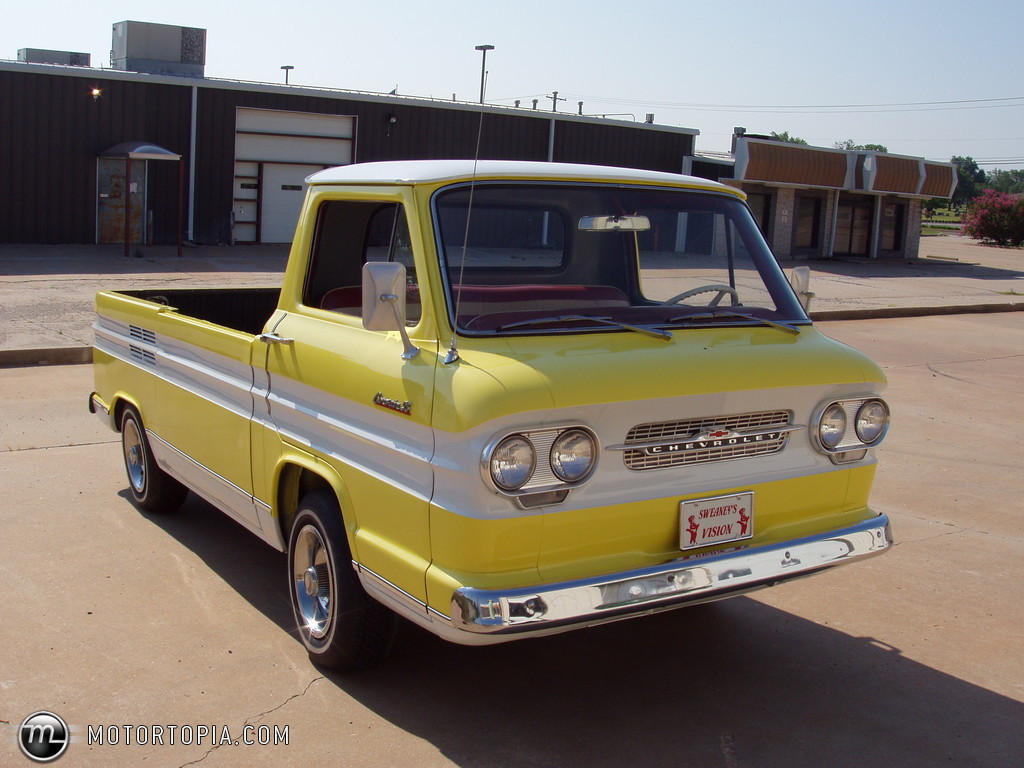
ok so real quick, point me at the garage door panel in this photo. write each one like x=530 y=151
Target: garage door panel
x=282 y=194
x=274 y=152
x=305 y=123
x=293 y=149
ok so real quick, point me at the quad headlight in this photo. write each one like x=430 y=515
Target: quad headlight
x=540 y=466
x=872 y=421
x=512 y=462
x=572 y=455
x=832 y=426
x=846 y=428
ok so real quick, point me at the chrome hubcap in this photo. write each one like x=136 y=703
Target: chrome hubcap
x=312 y=582
x=134 y=458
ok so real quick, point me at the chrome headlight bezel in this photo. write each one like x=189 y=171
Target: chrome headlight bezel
x=839 y=429
x=545 y=483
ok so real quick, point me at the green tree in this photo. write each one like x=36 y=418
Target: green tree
x=1011 y=182
x=784 y=136
x=850 y=144
x=970 y=179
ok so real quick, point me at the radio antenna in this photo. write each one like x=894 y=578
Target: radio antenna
x=453 y=352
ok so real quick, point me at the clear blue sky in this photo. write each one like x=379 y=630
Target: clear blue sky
x=934 y=79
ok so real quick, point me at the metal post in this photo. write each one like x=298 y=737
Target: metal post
x=483 y=67
x=127 y=204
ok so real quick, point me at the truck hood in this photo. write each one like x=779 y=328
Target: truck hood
x=499 y=377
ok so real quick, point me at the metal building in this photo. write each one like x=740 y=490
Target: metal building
x=245 y=148
x=242 y=150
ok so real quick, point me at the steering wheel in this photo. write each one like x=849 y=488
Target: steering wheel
x=721 y=291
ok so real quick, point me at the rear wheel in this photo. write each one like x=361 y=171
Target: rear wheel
x=341 y=626
x=152 y=488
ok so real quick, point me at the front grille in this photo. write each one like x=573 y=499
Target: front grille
x=682 y=430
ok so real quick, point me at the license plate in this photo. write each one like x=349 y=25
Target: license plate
x=715 y=521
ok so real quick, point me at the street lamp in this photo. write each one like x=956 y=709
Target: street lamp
x=287 y=68
x=483 y=67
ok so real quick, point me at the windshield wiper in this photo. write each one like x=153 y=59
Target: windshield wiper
x=655 y=332
x=713 y=314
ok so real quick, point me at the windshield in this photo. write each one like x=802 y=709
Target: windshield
x=536 y=258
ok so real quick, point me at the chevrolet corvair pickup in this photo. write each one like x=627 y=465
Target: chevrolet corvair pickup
x=501 y=400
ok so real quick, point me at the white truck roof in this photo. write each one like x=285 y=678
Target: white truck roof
x=423 y=171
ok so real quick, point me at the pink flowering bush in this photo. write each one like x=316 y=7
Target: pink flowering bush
x=996 y=217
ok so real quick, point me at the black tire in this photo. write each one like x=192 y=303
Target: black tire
x=341 y=626
x=152 y=488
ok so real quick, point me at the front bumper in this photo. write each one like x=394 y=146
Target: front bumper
x=680 y=582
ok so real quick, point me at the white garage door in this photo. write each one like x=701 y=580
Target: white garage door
x=274 y=152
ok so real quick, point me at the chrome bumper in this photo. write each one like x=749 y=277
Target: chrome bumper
x=101 y=409
x=647 y=590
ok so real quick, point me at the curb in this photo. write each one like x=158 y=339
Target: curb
x=879 y=313
x=20 y=358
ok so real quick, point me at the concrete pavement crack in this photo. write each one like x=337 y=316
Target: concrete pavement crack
x=62 y=445
x=257 y=718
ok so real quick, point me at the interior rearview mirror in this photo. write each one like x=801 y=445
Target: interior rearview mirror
x=384 y=300
x=634 y=223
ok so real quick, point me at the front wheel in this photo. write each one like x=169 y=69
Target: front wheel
x=152 y=488
x=341 y=626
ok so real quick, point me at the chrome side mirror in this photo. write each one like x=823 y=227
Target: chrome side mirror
x=800 y=279
x=384 y=301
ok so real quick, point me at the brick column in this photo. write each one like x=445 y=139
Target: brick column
x=780 y=233
x=912 y=239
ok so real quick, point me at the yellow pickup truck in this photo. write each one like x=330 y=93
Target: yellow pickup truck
x=502 y=400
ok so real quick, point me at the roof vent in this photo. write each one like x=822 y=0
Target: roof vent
x=43 y=56
x=158 y=49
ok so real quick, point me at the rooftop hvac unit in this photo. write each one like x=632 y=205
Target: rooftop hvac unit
x=158 y=49
x=43 y=56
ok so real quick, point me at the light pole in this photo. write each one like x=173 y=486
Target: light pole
x=483 y=67
x=287 y=68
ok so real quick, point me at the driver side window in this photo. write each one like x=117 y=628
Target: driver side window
x=349 y=234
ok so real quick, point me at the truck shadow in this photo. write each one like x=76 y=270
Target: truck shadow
x=733 y=684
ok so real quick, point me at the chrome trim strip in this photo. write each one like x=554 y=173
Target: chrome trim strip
x=219 y=491
x=690 y=580
x=393 y=596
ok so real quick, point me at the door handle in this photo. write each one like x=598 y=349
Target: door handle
x=273 y=338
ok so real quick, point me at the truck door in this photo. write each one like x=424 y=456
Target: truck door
x=345 y=396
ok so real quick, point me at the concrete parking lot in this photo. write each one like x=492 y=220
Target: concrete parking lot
x=122 y=622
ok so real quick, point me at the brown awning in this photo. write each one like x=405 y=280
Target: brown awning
x=776 y=162
x=940 y=180
x=889 y=173
x=769 y=161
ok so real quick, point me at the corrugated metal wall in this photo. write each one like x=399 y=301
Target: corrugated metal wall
x=51 y=133
x=54 y=129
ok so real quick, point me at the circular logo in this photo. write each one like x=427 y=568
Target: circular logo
x=43 y=737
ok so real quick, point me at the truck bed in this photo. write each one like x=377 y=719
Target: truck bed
x=242 y=309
